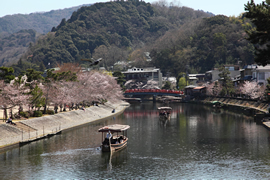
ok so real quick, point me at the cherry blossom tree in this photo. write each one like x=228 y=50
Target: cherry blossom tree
x=65 y=93
x=213 y=89
x=15 y=93
x=252 y=90
x=96 y=86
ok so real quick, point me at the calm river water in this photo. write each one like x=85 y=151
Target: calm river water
x=197 y=143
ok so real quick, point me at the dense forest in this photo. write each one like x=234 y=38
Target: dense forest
x=121 y=32
x=201 y=45
x=13 y=46
x=18 y=31
x=112 y=30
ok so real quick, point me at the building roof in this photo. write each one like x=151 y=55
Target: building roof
x=252 y=66
x=267 y=67
x=140 y=70
x=114 y=128
x=199 y=87
x=190 y=86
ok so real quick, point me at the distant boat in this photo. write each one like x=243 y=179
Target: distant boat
x=217 y=104
x=114 y=137
x=164 y=113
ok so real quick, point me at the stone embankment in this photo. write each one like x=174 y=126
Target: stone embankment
x=244 y=104
x=258 y=109
x=33 y=129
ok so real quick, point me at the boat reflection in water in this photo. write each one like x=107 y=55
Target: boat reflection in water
x=114 y=159
x=164 y=113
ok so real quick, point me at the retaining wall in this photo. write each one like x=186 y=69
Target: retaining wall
x=52 y=124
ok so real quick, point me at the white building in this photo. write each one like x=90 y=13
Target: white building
x=213 y=75
x=144 y=74
x=261 y=74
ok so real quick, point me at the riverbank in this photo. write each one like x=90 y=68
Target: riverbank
x=36 y=128
x=257 y=106
x=259 y=110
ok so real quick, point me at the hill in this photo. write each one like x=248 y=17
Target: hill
x=13 y=46
x=18 y=31
x=109 y=30
x=179 y=39
x=204 y=44
x=40 y=22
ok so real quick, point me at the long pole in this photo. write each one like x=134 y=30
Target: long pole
x=110 y=145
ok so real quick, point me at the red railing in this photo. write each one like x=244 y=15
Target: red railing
x=153 y=91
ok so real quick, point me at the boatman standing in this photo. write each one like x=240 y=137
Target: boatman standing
x=109 y=135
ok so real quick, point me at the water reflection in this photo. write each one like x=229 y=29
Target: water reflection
x=196 y=143
x=115 y=159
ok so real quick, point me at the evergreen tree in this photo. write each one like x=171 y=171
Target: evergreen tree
x=120 y=78
x=167 y=85
x=42 y=67
x=6 y=74
x=260 y=17
x=36 y=98
x=227 y=83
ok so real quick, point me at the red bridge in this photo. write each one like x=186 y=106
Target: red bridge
x=155 y=92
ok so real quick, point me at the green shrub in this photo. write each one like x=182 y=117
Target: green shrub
x=37 y=114
x=49 y=112
x=24 y=114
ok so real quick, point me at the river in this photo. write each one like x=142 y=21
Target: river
x=197 y=143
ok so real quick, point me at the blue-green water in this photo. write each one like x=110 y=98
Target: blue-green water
x=197 y=143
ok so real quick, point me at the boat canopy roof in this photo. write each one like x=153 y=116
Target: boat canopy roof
x=216 y=102
x=114 y=128
x=164 y=108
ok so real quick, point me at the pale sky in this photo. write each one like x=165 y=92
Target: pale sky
x=225 y=7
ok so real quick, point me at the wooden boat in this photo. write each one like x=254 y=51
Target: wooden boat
x=164 y=113
x=118 y=138
x=217 y=104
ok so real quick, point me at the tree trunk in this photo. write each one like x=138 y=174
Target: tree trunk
x=5 y=113
x=20 y=109
x=45 y=109
x=11 y=113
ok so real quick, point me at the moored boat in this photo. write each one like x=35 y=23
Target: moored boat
x=114 y=137
x=164 y=113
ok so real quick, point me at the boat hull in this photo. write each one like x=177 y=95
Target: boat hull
x=164 y=117
x=113 y=147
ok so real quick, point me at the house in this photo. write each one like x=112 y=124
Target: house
x=195 y=79
x=144 y=75
x=189 y=90
x=213 y=75
x=261 y=74
x=246 y=72
x=199 y=91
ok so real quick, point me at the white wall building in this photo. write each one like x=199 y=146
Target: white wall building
x=144 y=74
x=261 y=74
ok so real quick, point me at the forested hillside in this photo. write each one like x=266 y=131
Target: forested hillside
x=40 y=22
x=18 y=31
x=203 y=44
x=179 y=39
x=13 y=46
x=111 y=30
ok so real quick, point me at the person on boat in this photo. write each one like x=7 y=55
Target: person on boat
x=164 y=113
x=109 y=135
x=120 y=139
